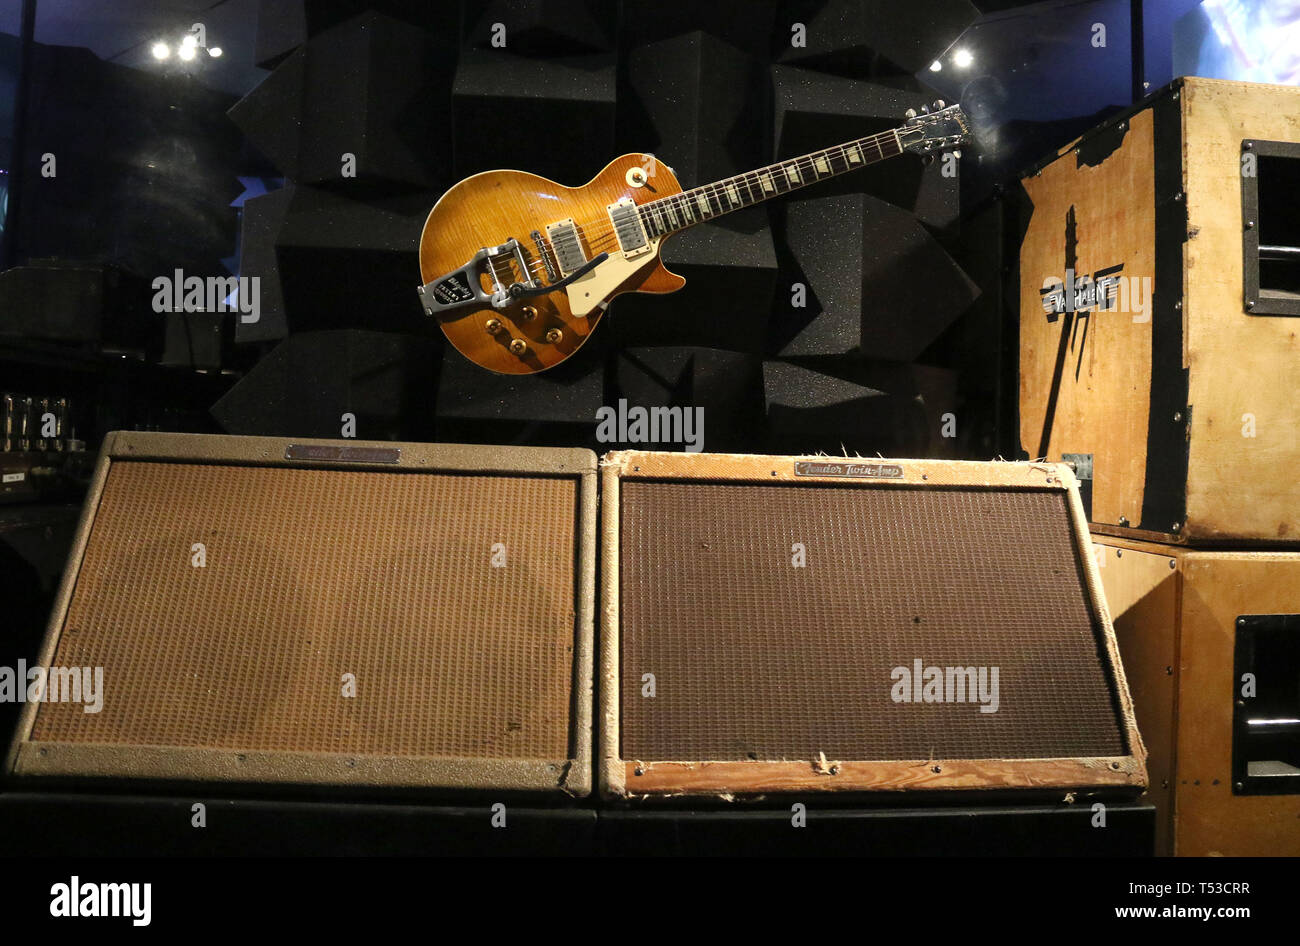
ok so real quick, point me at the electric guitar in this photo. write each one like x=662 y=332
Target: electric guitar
x=518 y=270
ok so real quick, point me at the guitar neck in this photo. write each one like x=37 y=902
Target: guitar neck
x=679 y=211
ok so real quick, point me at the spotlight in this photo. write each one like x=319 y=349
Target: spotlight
x=962 y=58
x=161 y=51
x=186 y=52
x=189 y=40
x=936 y=66
x=214 y=52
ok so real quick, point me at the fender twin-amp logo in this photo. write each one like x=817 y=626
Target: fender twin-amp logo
x=882 y=471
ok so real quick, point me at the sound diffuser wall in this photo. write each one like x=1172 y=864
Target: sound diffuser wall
x=785 y=624
x=330 y=612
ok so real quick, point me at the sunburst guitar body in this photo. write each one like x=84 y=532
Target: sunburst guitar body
x=533 y=332
x=518 y=270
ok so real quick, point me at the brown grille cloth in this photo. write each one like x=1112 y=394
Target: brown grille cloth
x=312 y=574
x=756 y=659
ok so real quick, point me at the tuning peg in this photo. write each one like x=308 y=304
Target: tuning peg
x=938 y=104
x=925 y=110
x=910 y=114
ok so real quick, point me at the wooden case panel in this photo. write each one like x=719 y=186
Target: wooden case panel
x=1187 y=408
x=1142 y=596
x=1098 y=363
x=1238 y=486
x=1217 y=587
x=1183 y=619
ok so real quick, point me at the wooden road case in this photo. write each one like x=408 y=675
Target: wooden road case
x=1160 y=315
x=1210 y=641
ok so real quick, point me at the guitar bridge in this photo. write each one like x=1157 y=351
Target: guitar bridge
x=463 y=287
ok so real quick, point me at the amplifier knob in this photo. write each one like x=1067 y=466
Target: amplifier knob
x=554 y=336
x=518 y=346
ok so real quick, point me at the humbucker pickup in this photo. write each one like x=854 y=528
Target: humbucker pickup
x=563 y=235
x=626 y=219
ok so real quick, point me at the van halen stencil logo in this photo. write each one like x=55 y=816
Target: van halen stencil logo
x=1099 y=292
x=1103 y=291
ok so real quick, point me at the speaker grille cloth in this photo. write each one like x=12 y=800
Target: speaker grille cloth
x=312 y=574
x=754 y=658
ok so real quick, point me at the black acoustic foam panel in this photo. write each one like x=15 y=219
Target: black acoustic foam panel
x=270 y=116
x=551 y=117
x=281 y=28
x=726 y=384
x=750 y=27
x=725 y=303
x=815 y=111
x=556 y=407
x=541 y=28
x=876 y=280
x=305 y=384
x=348 y=264
x=371 y=87
x=699 y=95
x=889 y=410
x=262 y=221
x=873 y=37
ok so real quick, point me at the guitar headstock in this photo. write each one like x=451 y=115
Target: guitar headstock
x=927 y=131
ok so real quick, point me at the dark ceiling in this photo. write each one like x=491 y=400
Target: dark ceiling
x=123 y=31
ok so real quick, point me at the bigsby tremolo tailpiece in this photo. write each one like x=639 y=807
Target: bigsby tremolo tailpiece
x=464 y=287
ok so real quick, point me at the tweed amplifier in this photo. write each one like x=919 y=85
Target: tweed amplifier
x=249 y=609
x=776 y=625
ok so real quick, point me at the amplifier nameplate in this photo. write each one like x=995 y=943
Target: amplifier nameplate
x=339 y=454
x=874 y=471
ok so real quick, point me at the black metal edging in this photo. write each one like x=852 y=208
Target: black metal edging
x=1164 y=497
x=1244 y=660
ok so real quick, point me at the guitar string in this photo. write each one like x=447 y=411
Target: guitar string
x=751 y=179
x=754 y=178
x=802 y=162
x=714 y=192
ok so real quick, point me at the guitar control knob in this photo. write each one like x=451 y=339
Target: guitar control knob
x=518 y=346
x=554 y=336
x=493 y=326
x=528 y=313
